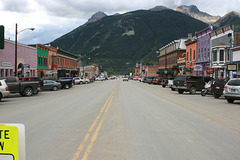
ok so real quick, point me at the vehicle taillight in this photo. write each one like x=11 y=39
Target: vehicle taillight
x=39 y=85
x=225 y=86
x=210 y=86
x=185 y=83
x=6 y=88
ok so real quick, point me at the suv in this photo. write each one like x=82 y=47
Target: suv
x=4 y=92
x=217 y=87
x=191 y=84
x=232 y=90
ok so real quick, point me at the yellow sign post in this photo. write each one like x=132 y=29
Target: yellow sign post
x=12 y=142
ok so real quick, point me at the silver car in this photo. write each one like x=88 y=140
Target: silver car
x=4 y=92
x=232 y=90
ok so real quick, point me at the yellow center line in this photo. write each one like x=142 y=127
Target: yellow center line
x=90 y=146
x=80 y=148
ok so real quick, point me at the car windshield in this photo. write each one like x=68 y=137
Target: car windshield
x=180 y=77
x=234 y=82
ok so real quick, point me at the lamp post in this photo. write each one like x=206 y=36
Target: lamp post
x=16 y=45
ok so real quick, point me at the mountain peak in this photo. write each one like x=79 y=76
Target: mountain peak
x=159 y=8
x=97 y=16
x=194 y=12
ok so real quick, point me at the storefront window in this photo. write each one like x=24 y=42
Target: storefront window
x=2 y=71
x=221 y=55
x=6 y=73
x=238 y=67
x=215 y=55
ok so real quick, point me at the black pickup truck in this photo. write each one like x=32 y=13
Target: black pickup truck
x=191 y=84
x=24 y=88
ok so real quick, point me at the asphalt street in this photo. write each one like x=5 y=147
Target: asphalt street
x=125 y=120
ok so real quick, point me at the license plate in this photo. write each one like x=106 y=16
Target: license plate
x=217 y=87
x=233 y=90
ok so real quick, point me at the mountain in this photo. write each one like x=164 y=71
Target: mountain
x=158 y=8
x=230 y=18
x=194 y=12
x=95 y=17
x=120 y=41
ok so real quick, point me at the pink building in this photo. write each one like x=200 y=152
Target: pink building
x=26 y=60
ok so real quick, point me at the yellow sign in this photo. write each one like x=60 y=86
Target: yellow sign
x=9 y=143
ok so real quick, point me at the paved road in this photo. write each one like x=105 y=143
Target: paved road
x=125 y=120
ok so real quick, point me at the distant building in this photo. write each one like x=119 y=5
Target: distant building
x=169 y=54
x=150 y=70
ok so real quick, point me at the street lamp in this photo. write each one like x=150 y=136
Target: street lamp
x=16 y=45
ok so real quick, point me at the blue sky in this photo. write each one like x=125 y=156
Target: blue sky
x=54 y=18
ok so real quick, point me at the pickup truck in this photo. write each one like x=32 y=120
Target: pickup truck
x=191 y=84
x=24 y=88
x=66 y=82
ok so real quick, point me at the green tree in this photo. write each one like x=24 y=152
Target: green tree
x=110 y=71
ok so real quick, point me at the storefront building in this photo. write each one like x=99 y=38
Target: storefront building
x=191 y=54
x=42 y=60
x=169 y=54
x=66 y=64
x=26 y=60
x=203 y=51
x=221 y=42
x=236 y=60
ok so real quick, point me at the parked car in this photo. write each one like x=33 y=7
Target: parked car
x=191 y=84
x=79 y=80
x=125 y=78
x=100 y=78
x=164 y=82
x=65 y=83
x=144 y=79
x=49 y=78
x=4 y=92
x=232 y=90
x=32 y=79
x=217 y=87
x=170 y=83
x=24 y=88
x=51 y=85
x=136 y=78
x=149 y=79
x=157 y=80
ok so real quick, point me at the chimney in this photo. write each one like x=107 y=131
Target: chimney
x=189 y=35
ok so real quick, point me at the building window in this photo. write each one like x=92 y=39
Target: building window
x=194 y=56
x=214 y=55
x=187 y=56
x=221 y=55
x=2 y=71
x=191 y=54
x=6 y=72
x=238 y=67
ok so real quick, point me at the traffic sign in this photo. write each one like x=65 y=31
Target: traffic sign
x=12 y=141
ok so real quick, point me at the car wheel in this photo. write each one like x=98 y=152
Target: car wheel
x=163 y=86
x=216 y=95
x=1 y=97
x=230 y=100
x=193 y=90
x=180 y=91
x=81 y=82
x=55 y=88
x=66 y=86
x=203 y=93
x=173 y=89
x=28 y=91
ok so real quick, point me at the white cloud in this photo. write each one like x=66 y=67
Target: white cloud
x=53 y=18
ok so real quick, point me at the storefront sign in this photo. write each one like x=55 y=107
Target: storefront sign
x=210 y=70
x=6 y=64
x=231 y=67
x=198 y=68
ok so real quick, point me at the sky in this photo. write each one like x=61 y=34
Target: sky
x=54 y=18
